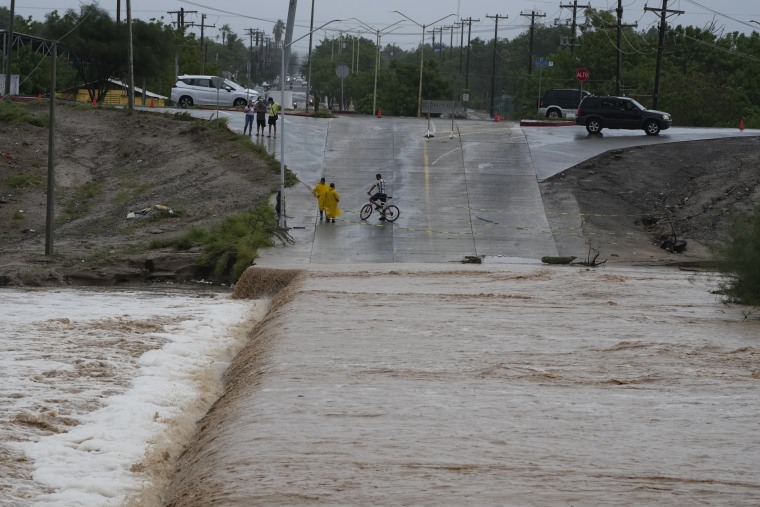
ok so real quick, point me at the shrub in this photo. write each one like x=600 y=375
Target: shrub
x=739 y=260
x=231 y=246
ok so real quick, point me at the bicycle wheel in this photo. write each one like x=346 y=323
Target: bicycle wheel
x=365 y=212
x=391 y=213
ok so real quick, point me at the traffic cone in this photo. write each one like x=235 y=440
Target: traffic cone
x=94 y=101
x=741 y=124
x=379 y=112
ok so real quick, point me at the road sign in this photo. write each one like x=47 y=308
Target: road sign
x=543 y=63
x=581 y=74
x=342 y=71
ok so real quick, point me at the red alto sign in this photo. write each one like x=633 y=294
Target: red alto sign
x=581 y=74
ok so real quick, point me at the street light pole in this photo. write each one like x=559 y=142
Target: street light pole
x=422 y=54
x=377 y=56
x=283 y=216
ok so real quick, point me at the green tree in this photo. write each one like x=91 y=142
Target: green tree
x=95 y=44
x=278 y=30
x=738 y=259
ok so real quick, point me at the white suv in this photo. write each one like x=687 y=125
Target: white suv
x=202 y=91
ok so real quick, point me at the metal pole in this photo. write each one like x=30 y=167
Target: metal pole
x=283 y=216
x=493 y=64
x=308 y=78
x=8 y=49
x=377 y=62
x=422 y=55
x=130 y=61
x=50 y=211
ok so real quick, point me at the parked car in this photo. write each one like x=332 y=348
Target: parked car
x=202 y=91
x=561 y=102
x=598 y=112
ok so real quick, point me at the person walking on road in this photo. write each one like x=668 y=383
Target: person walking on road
x=261 y=116
x=250 y=112
x=332 y=198
x=320 y=191
x=274 y=109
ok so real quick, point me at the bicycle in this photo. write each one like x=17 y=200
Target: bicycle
x=388 y=212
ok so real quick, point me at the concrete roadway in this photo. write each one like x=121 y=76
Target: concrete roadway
x=473 y=191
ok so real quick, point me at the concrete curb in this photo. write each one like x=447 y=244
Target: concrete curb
x=545 y=123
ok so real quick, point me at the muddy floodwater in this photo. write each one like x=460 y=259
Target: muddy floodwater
x=487 y=385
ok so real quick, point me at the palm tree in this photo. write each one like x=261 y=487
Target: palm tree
x=225 y=29
x=278 y=30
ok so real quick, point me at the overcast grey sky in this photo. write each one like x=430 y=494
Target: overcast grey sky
x=240 y=15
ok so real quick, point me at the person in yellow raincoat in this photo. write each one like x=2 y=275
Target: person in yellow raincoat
x=332 y=198
x=320 y=191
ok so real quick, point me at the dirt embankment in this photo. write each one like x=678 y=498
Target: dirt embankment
x=110 y=163
x=631 y=198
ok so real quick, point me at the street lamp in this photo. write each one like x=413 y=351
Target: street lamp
x=283 y=216
x=422 y=53
x=377 y=56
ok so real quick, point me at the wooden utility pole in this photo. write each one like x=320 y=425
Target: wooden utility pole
x=574 y=26
x=660 y=46
x=532 y=15
x=619 y=65
x=493 y=59
x=460 y=24
x=203 y=43
x=469 y=22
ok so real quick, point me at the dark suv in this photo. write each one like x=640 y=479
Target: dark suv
x=598 y=112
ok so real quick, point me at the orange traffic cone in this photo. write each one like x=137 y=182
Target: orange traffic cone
x=379 y=112
x=94 y=101
x=741 y=124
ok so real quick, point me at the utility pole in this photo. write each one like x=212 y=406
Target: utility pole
x=203 y=44
x=460 y=24
x=286 y=54
x=250 y=54
x=130 y=61
x=493 y=60
x=574 y=7
x=660 y=46
x=469 y=22
x=440 y=43
x=181 y=17
x=451 y=40
x=532 y=15
x=308 y=78
x=619 y=65
x=8 y=52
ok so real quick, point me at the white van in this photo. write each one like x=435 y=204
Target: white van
x=561 y=102
x=202 y=91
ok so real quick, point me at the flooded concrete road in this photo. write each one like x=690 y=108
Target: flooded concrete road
x=507 y=385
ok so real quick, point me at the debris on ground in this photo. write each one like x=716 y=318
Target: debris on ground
x=155 y=210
